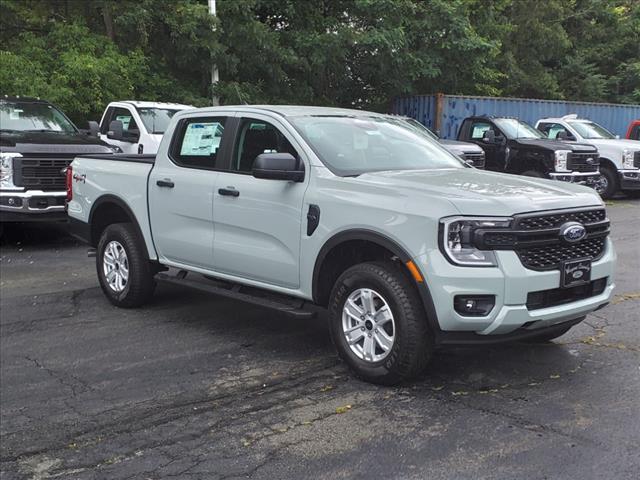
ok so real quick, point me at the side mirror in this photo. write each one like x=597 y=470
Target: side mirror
x=94 y=129
x=489 y=136
x=116 y=131
x=278 y=166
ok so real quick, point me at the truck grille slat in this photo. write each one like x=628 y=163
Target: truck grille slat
x=636 y=159
x=475 y=159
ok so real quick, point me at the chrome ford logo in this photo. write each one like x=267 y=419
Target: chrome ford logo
x=590 y=161
x=572 y=232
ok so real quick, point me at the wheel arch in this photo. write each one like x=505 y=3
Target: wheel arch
x=377 y=245
x=107 y=210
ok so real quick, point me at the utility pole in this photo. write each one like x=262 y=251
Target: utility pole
x=214 y=68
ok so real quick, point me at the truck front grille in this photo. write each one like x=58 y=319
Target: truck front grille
x=40 y=173
x=475 y=159
x=583 y=162
x=551 y=256
x=536 y=238
x=554 y=220
x=636 y=159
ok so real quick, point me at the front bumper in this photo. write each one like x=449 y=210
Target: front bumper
x=21 y=206
x=584 y=178
x=511 y=283
x=629 y=179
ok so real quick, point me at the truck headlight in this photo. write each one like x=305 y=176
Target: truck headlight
x=627 y=159
x=457 y=239
x=561 y=160
x=6 y=170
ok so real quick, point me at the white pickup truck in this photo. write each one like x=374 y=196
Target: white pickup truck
x=135 y=127
x=619 y=158
x=295 y=208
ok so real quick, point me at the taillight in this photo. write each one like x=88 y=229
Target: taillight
x=69 y=182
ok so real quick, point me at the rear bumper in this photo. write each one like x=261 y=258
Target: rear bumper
x=32 y=205
x=629 y=179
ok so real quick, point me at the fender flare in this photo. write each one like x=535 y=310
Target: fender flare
x=112 y=199
x=385 y=242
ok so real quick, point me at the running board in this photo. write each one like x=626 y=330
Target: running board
x=294 y=307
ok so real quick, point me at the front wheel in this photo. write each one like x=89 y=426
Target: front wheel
x=378 y=323
x=608 y=184
x=123 y=268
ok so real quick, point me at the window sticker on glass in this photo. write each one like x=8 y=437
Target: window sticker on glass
x=14 y=114
x=125 y=119
x=201 y=139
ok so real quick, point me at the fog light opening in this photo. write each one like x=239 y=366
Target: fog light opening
x=474 y=305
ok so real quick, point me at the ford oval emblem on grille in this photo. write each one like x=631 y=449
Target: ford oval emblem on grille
x=590 y=161
x=572 y=232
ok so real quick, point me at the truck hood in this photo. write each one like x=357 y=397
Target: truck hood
x=613 y=143
x=459 y=148
x=52 y=142
x=478 y=192
x=555 y=145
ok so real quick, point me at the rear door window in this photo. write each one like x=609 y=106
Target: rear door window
x=197 y=142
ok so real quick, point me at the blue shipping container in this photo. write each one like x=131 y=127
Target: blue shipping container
x=446 y=112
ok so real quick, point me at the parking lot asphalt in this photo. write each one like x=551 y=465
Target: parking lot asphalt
x=199 y=387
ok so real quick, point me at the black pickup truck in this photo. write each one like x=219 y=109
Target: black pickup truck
x=37 y=142
x=512 y=146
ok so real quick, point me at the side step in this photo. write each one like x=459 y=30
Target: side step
x=294 y=307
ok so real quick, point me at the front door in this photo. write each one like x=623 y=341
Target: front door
x=258 y=222
x=181 y=193
x=493 y=152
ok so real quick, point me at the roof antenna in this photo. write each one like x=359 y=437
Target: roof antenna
x=239 y=96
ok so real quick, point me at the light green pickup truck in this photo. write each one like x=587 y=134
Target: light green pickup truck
x=304 y=208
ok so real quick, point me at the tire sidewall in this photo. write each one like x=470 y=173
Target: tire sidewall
x=385 y=370
x=114 y=233
x=612 y=182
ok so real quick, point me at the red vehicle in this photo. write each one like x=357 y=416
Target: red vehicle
x=634 y=130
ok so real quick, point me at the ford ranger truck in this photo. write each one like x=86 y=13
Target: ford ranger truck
x=515 y=147
x=134 y=126
x=37 y=141
x=619 y=158
x=300 y=209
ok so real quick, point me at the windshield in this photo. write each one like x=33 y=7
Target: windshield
x=513 y=128
x=591 y=130
x=352 y=146
x=420 y=128
x=156 y=120
x=33 y=117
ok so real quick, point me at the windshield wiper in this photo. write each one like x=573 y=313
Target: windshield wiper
x=8 y=130
x=45 y=130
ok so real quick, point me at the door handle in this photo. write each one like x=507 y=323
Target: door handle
x=229 y=192
x=165 y=183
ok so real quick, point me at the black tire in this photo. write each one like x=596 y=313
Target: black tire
x=533 y=173
x=547 y=337
x=413 y=343
x=140 y=283
x=610 y=177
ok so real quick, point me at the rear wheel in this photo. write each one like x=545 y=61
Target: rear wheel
x=123 y=268
x=378 y=323
x=608 y=184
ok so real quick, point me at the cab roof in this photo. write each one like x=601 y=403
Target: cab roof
x=297 y=110
x=145 y=104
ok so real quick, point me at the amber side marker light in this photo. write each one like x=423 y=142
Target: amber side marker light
x=414 y=271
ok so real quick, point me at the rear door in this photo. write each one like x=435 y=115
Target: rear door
x=258 y=221
x=181 y=192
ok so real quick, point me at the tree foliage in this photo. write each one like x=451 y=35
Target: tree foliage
x=362 y=53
